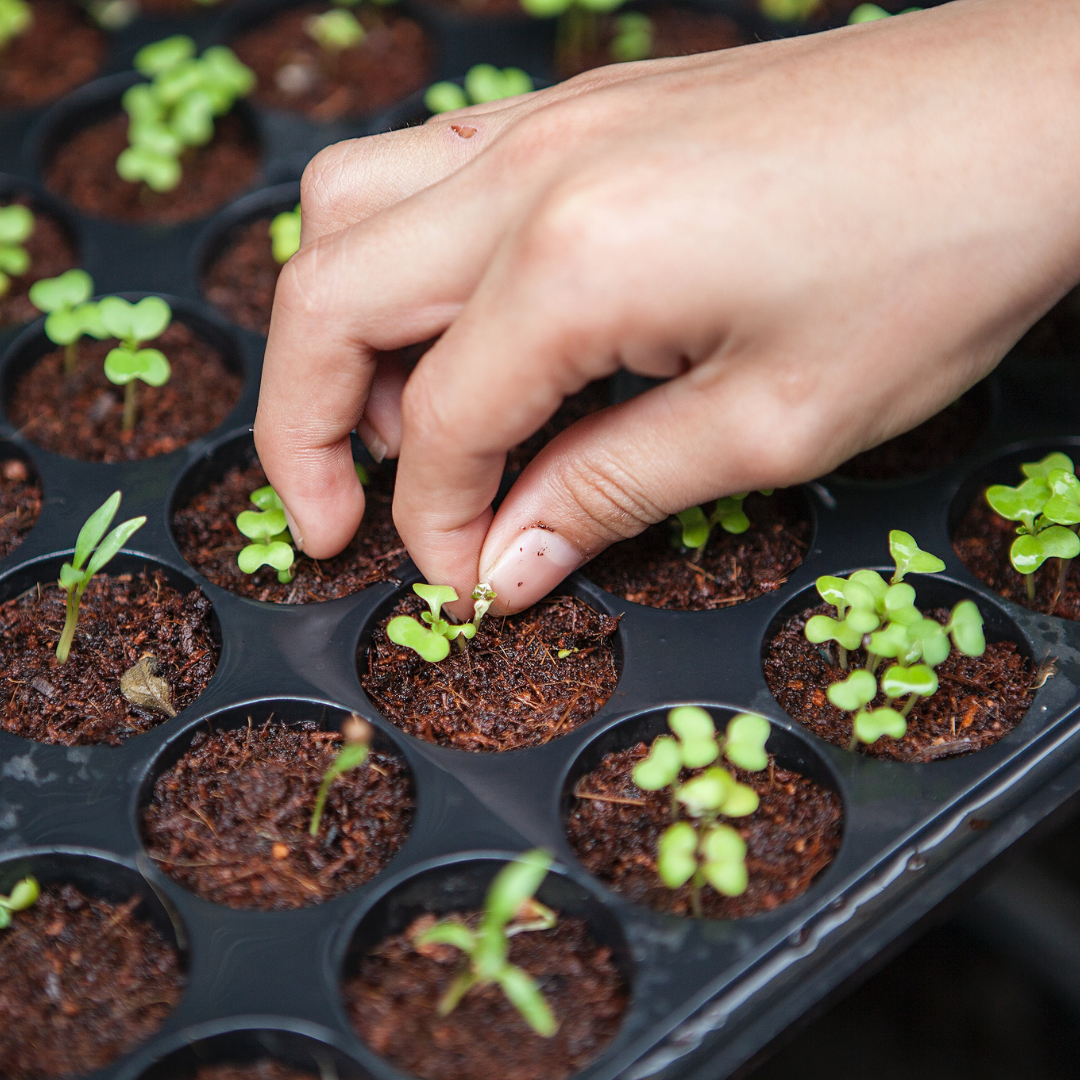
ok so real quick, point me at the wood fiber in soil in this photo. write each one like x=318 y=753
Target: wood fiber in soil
x=592 y=399
x=263 y=1069
x=982 y=540
x=508 y=689
x=792 y=836
x=242 y=279
x=979 y=700
x=121 y=619
x=60 y=50
x=50 y=253
x=392 y=999
x=230 y=819
x=20 y=503
x=394 y=60
x=85 y=980
x=83 y=171
x=934 y=444
x=82 y=416
x=208 y=538
x=648 y=570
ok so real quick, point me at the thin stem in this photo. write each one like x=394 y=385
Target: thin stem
x=1029 y=580
x=320 y=802
x=695 y=894
x=63 y=649
x=71 y=358
x=130 y=403
x=842 y=653
x=854 y=738
x=1063 y=573
x=909 y=705
x=872 y=661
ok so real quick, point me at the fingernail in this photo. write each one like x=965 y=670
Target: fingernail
x=297 y=539
x=531 y=567
x=374 y=442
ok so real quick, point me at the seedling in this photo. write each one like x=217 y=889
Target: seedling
x=70 y=314
x=16 y=17
x=509 y=908
x=482 y=83
x=334 y=31
x=92 y=544
x=16 y=225
x=692 y=527
x=788 y=10
x=873 y=12
x=633 y=38
x=432 y=641
x=285 y=234
x=357 y=734
x=23 y=896
x=125 y=365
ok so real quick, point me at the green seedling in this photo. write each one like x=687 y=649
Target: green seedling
x=510 y=908
x=873 y=12
x=633 y=38
x=431 y=638
x=357 y=734
x=112 y=15
x=788 y=10
x=693 y=526
x=70 y=314
x=24 y=895
x=285 y=234
x=334 y=31
x=579 y=28
x=129 y=363
x=16 y=17
x=483 y=83
x=16 y=225
x=92 y=544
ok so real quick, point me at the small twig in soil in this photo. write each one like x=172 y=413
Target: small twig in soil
x=579 y=794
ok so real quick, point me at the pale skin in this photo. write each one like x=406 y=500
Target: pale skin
x=820 y=242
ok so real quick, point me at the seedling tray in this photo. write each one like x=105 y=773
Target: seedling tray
x=705 y=996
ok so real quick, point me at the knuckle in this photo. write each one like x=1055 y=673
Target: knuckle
x=325 y=178
x=611 y=503
x=300 y=289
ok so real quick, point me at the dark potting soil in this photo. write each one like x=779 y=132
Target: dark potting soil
x=121 y=619
x=592 y=399
x=82 y=416
x=20 y=502
x=648 y=570
x=230 y=819
x=481 y=9
x=51 y=253
x=982 y=539
x=508 y=689
x=85 y=980
x=394 y=59
x=182 y=7
x=979 y=700
x=392 y=1001
x=792 y=836
x=60 y=50
x=263 y=1069
x=934 y=444
x=208 y=538
x=241 y=280
x=83 y=171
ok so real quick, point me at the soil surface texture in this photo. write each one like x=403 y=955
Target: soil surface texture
x=230 y=819
x=979 y=700
x=242 y=279
x=508 y=689
x=263 y=1069
x=208 y=538
x=592 y=399
x=982 y=540
x=793 y=835
x=83 y=171
x=60 y=50
x=394 y=59
x=20 y=502
x=82 y=416
x=732 y=568
x=121 y=619
x=392 y=999
x=85 y=980
x=934 y=444
x=51 y=253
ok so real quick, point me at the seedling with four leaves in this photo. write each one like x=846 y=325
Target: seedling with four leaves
x=16 y=226
x=129 y=362
x=285 y=235
x=357 y=734
x=69 y=313
x=482 y=83
x=431 y=638
x=24 y=895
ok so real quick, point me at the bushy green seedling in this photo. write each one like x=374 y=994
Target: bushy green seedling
x=70 y=314
x=482 y=83
x=693 y=527
x=1047 y=507
x=129 y=362
x=16 y=225
x=510 y=908
x=16 y=17
x=431 y=638
x=176 y=110
x=633 y=38
x=357 y=734
x=285 y=234
x=872 y=12
x=92 y=544
x=334 y=31
x=24 y=895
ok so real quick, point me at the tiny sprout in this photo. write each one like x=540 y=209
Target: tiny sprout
x=857 y=690
x=717 y=857
x=482 y=83
x=633 y=38
x=16 y=17
x=285 y=234
x=693 y=527
x=910 y=558
x=871 y=726
x=69 y=314
x=74 y=578
x=24 y=895
x=112 y=15
x=357 y=735
x=335 y=30
x=432 y=641
x=16 y=225
x=133 y=324
x=509 y=908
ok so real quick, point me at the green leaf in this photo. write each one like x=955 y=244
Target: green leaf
x=729 y=514
x=192 y=118
x=435 y=596
x=515 y=883
x=892 y=642
x=453 y=631
x=277 y=554
x=857 y=690
x=706 y=792
x=831 y=590
x=633 y=38
x=112 y=544
x=149 y=318
x=407 y=632
x=1024 y=503
x=16 y=223
x=523 y=993
x=1029 y=552
x=159 y=172
x=89 y=316
x=155 y=137
x=870 y=726
x=724 y=860
x=261 y=524
x=875 y=583
x=449 y=932
x=94 y=529
x=162 y=56
x=222 y=67
x=676 y=859
x=266 y=498
x=966 y=628
x=931 y=641
x=695 y=527
x=70 y=577
x=745 y=739
x=122 y=365
x=867 y=13
x=142 y=104
x=352 y=756
x=900 y=681
x=170 y=86
x=5 y=915
x=1041 y=470
x=820 y=628
x=64 y=326
x=1063 y=507
x=24 y=895
x=697 y=735
x=740 y=800
x=335 y=29
x=545 y=9
x=910 y=558
x=661 y=768
x=16 y=17
x=285 y=236
x=14 y=259
x=53 y=294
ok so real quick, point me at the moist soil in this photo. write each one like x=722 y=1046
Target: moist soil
x=592 y=399
x=230 y=819
x=83 y=171
x=263 y=1069
x=20 y=503
x=979 y=700
x=60 y=50
x=51 y=253
x=242 y=279
x=121 y=619
x=934 y=444
x=648 y=570
x=394 y=60
x=85 y=980
x=392 y=1003
x=982 y=540
x=508 y=689
x=208 y=538
x=82 y=416
x=792 y=836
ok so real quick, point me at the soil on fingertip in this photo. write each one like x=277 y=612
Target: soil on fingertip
x=20 y=502
x=394 y=59
x=241 y=280
x=51 y=253
x=121 y=620
x=979 y=701
x=614 y=827
x=85 y=980
x=263 y=1069
x=230 y=820
x=206 y=533
x=595 y=396
x=83 y=171
x=392 y=1002
x=649 y=570
x=509 y=688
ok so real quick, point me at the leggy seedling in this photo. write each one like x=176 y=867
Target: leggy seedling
x=432 y=641
x=24 y=895
x=509 y=908
x=357 y=734
x=92 y=544
x=134 y=324
x=285 y=235
x=69 y=312
x=482 y=83
x=16 y=226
